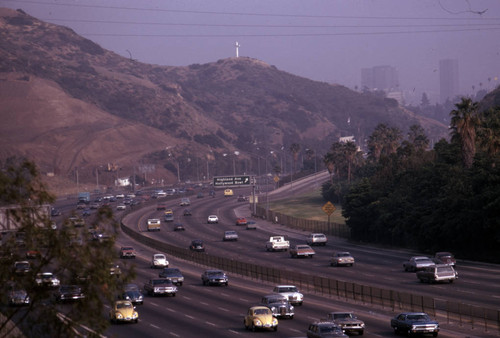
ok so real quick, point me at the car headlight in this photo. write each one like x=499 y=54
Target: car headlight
x=273 y=309
x=291 y=307
x=135 y=315
x=257 y=322
x=413 y=327
x=119 y=315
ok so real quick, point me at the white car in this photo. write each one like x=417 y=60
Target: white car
x=316 y=239
x=291 y=292
x=47 y=279
x=159 y=261
x=212 y=219
x=121 y=207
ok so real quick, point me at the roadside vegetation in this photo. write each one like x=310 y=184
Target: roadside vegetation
x=71 y=253
x=442 y=199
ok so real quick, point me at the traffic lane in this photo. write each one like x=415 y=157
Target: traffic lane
x=248 y=292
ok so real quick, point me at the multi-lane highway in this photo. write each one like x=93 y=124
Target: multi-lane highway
x=218 y=311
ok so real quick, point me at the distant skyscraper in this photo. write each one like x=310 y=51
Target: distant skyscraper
x=380 y=77
x=448 y=79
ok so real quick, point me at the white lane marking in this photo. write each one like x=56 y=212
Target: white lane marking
x=155 y=326
x=223 y=309
x=155 y=304
x=209 y=323
x=174 y=334
x=235 y=332
x=171 y=310
x=188 y=298
x=203 y=303
x=190 y=317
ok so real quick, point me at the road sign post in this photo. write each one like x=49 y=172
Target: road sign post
x=328 y=208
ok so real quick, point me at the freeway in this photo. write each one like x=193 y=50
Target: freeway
x=222 y=310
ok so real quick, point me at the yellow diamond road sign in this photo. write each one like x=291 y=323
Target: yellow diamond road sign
x=328 y=208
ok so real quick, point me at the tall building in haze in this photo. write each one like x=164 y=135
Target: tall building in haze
x=384 y=78
x=448 y=79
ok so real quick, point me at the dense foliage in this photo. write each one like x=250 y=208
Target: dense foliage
x=402 y=193
x=68 y=251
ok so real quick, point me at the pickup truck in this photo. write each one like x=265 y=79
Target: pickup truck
x=438 y=273
x=160 y=286
x=302 y=250
x=277 y=243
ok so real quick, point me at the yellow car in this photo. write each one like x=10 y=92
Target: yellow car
x=169 y=212
x=123 y=311
x=228 y=192
x=260 y=317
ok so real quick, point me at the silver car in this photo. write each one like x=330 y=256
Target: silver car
x=342 y=258
x=317 y=239
x=417 y=263
x=279 y=305
x=230 y=235
x=291 y=292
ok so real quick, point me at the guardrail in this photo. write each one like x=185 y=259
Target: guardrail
x=454 y=312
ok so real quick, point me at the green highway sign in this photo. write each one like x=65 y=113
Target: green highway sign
x=228 y=181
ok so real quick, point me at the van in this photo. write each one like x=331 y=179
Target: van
x=154 y=224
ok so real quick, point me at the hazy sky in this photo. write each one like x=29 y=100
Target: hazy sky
x=325 y=40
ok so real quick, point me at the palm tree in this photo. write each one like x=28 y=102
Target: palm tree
x=417 y=137
x=489 y=131
x=349 y=149
x=464 y=121
x=384 y=141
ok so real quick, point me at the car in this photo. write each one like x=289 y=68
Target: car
x=445 y=257
x=21 y=267
x=187 y=212
x=154 y=224
x=127 y=252
x=120 y=196
x=342 y=258
x=185 y=202
x=55 y=212
x=316 y=239
x=228 y=192
x=347 y=322
x=114 y=269
x=241 y=221
x=212 y=219
x=199 y=195
x=214 y=277
x=132 y=293
x=251 y=225
x=324 y=330
x=160 y=286
x=437 y=273
x=260 y=317
x=417 y=263
x=33 y=254
x=291 y=292
x=179 y=227
x=412 y=323
x=67 y=293
x=302 y=250
x=197 y=245
x=121 y=206
x=18 y=297
x=47 y=279
x=241 y=198
x=173 y=274
x=94 y=205
x=279 y=305
x=169 y=218
x=159 y=260
x=230 y=235
x=123 y=311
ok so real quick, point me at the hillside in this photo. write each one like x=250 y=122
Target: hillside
x=69 y=103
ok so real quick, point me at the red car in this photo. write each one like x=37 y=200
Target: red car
x=241 y=221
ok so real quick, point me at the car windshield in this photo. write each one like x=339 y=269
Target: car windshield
x=288 y=289
x=127 y=248
x=419 y=317
x=230 y=232
x=302 y=247
x=277 y=300
x=125 y=305
x=262 y=312
x=161 y=281
x=342 y=315
x=344 y=254
x=215 y=273
x=159 y=257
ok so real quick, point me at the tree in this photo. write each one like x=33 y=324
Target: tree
x=464 y=121
x=350 y=150
x=383 y=141
x=295 y=149
x=26 y=203
x=417 y=137
x=489 y=131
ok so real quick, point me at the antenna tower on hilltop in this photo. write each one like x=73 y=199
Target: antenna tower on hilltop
x=237 y=45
